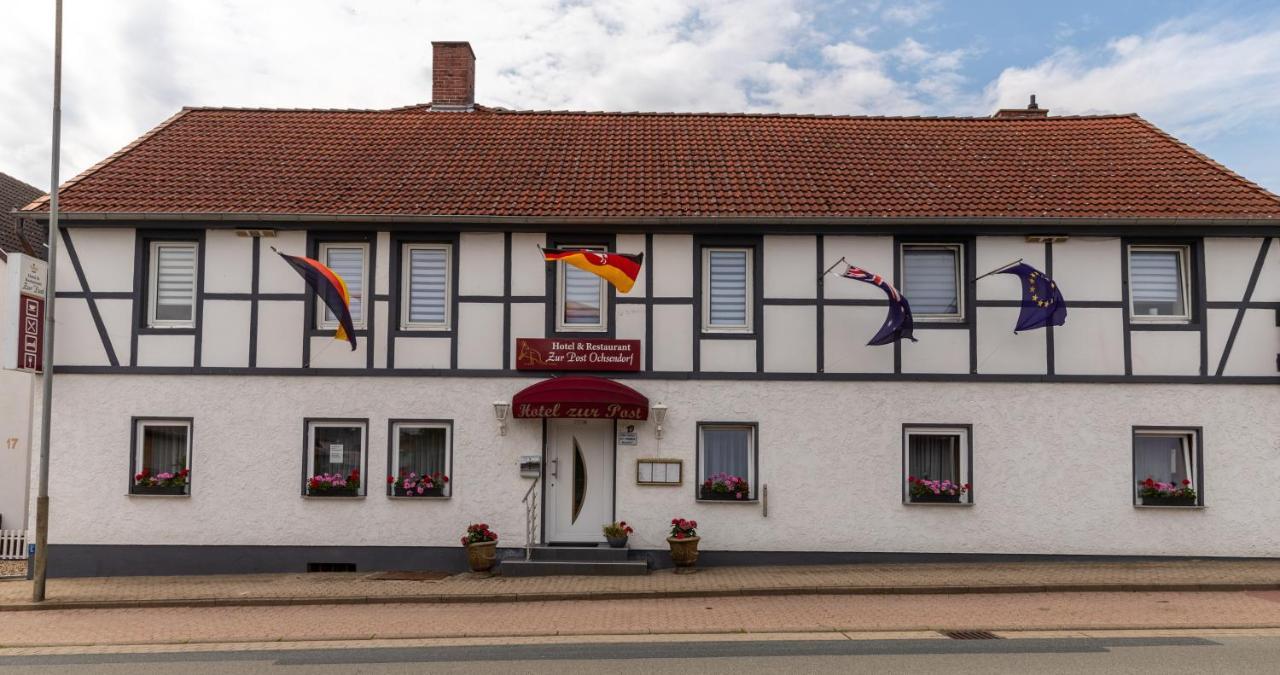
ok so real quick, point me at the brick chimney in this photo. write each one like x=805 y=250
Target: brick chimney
x=453 y=76
x=1032 y=110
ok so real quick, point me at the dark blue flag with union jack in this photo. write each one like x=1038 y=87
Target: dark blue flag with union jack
x=898 y=324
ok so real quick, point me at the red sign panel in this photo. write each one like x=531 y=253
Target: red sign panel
x=30 y=337
x=577 y=354
x=590 y=411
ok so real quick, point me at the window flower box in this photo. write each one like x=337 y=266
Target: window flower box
x=1155 y=493
x=413 y=485
x=334 y=485
x=437 y=491
x=924 y=491
x=935 y=499
x=159 y=490
x=1169 y=501
x=722 y=486
x=166 y=483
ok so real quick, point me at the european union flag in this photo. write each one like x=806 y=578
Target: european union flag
x=1042 y=302
x=898 y=324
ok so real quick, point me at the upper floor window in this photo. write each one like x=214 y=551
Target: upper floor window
x=1158 y=282
x=726 y=290
x=932 y=281
x=424 y=288
x=581 y=298
x=172 y=288
x=351 y=263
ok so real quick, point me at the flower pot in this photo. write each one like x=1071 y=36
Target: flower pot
x=617 y=542
x=684 y=552
x=935 y=499
x=712 y=495
x=1168 y=501
x=437 y=491
x=335 y=492
x=159 y=490
x=482 y=556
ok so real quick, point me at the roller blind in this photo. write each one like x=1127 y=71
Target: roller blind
x=175 y=282
x=348 y=263
x=427 y=292
x=582 y=304
x=727 y=288
x=1155 y=281
x=930 y=279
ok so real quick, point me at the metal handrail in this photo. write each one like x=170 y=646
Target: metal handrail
x=530 y=501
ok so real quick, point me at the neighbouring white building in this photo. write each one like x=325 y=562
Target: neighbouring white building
x=184 y=342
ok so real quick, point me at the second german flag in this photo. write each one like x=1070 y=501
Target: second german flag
x=619 y=269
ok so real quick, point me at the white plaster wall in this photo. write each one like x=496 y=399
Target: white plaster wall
x=630 y=326
x=480 y=271
x=936 y=351
x=846 y=332
x=106 y=255
x=1228 y=263
x=790 y=264
x=280 y=332
x=809 y=433
x=528 y=269
x=994 y=252
x=479 y=335
x=166 y=350
x=16 y=391
x=225 y=342
x=1000 y=350
x=117 y=316
x=528 y=320
x=634 y=243
x=1091 y=342
x=728 y=356
x=423 y=352
x=382 y=274
x=1088 y=268
x=1268 y=288
x=672 y=337
x=68 y=280
x=1165 y=352
x=672 y=266
x=76 y=341
x=228 y=262
x=1256 y=345
x=385 y=321
x=327 y=352
x=873 y=254
x=274 y=274
x=790 y=334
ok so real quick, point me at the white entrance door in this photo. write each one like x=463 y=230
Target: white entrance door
x=579 y=473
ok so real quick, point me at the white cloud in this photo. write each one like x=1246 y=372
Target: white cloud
x=910 y=12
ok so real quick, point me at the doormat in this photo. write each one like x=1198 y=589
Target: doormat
x=409 y=575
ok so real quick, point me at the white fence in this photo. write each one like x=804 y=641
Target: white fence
x=13 y=544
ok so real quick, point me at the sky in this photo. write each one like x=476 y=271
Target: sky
x=1206 y=71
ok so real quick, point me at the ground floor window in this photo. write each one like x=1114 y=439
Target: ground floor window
x=421 y=454
x=1167 y=464
x=161 y=462
x=335 y=458
x=937 y=462
x=727 y=461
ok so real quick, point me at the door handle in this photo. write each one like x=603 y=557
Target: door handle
x=555 y=468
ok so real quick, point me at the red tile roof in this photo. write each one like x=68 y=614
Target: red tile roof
x=414 y=162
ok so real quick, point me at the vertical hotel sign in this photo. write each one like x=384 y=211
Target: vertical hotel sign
x=24 y=313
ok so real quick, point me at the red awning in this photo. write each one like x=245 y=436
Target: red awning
x=580 y=398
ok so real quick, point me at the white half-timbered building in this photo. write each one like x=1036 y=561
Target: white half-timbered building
x=184 y=342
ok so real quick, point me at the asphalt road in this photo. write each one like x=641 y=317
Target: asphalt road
x=1042 y=656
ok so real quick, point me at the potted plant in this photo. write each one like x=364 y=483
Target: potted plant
x=166 y=483
x=725 y=486
x=684 y=542
x=413 y=485
x=922 y=490
x=617 y=533
x=1155 y=493
x=334 y=484
x=482 y=547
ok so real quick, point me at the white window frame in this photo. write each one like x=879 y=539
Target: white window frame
x=447 y=425
x=153 y=284
x=749 y=326
x=1190 y=453
x=561 y=325
x=1184 y=272
x=366 y=297
x=140 y=438
x=310 y=459
x=406 y=277
x=909 y=431
x=958 y=249
x=753 y=456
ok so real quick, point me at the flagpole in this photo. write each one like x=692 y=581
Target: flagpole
x=833 y=266
x=46 y=365
x=997 y=270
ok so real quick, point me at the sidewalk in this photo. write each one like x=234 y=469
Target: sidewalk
x=868 y=579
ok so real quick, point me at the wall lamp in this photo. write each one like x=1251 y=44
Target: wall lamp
x=659 y=416
x=500 y=409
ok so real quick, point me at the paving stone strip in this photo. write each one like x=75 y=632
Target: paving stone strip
x=426 y=587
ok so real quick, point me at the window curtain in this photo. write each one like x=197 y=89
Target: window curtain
x=323 y=452
x=427 y=285
x=1155 y=278
x=422 y=450
x=930 y=280
x=728 y=288
x=726 y=450
x=1163 y=458
x=175 y=282
x=348 y=263
x=164 y=448
x=934 y=457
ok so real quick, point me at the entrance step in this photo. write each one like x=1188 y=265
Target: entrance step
x=546 y=568
x=602 y=553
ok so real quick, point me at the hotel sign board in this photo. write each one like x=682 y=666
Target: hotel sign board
x=565 y=354
x=23 y=343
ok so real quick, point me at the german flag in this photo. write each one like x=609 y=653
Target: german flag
x=331 y=288
x=619 y=269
